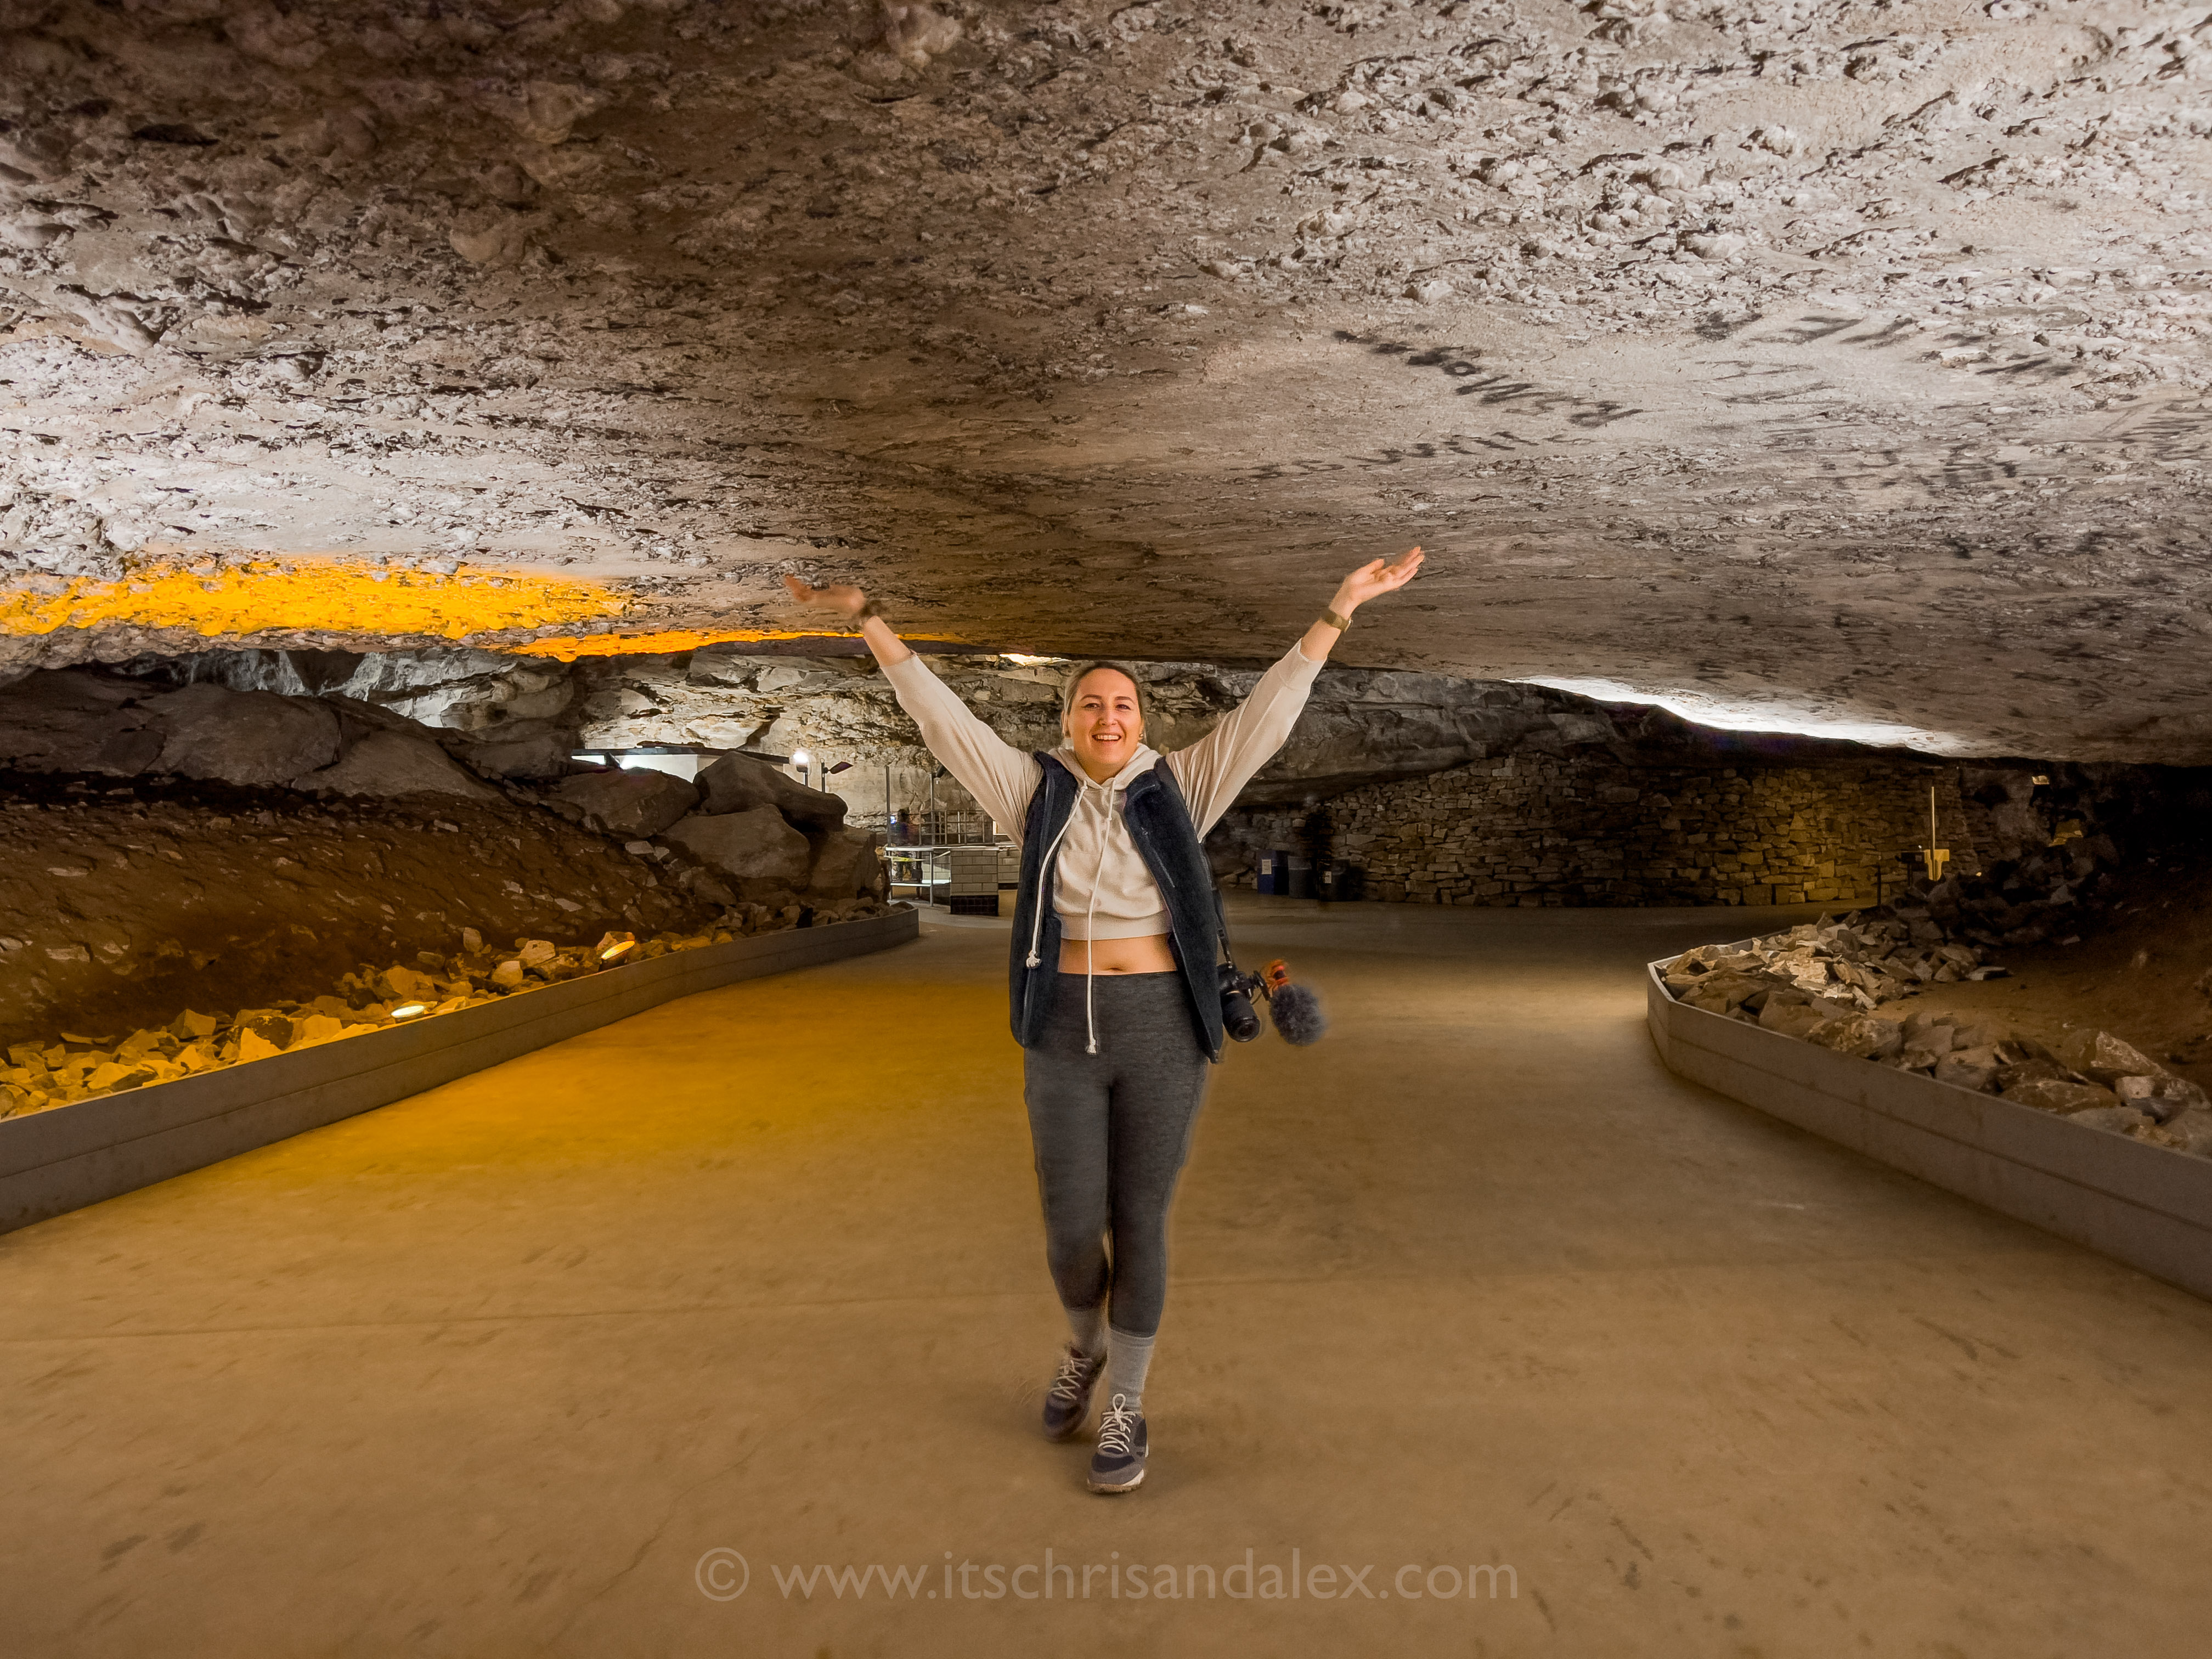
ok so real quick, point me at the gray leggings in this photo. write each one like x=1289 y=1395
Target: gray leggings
x=1110 y=1131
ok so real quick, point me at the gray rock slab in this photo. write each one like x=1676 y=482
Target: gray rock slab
x=518 y=749
x=632 y=804
x=736 y=782
x=243 y=737
x=75 y=722
x=754 y=846
x=396 y=763
x=845 y=864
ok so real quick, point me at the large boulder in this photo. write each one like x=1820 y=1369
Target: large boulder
x=396 y=763
x=65 y=721
x=243 y=737
x=737 y=783
x=845 y=866
x=765 y=855
x=516 y=748
x=2059 y=1095
x=630 y=804
x=1862 y=1036
x=2104 y=1058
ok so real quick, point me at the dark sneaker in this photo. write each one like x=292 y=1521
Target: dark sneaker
x=1118 y=1465
x=1067 y=1402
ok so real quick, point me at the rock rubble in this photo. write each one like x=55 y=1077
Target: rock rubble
x=162 y=844
x=40 y=1075
x=1836 y=983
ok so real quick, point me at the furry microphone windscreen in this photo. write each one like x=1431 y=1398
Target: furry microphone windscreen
x=1298 y=1015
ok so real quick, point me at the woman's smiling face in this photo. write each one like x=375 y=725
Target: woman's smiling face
x=1104 y=722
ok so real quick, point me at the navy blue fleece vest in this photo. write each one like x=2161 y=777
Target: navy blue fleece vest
x=1159 y=824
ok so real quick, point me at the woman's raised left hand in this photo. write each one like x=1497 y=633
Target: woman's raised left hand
x=1376 y=576
x=842 y=597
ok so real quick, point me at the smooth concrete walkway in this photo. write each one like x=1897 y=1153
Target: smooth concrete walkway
x=1474 y=1282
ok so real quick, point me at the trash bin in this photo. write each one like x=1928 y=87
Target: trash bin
x=1274 y=872
x=1302 y=877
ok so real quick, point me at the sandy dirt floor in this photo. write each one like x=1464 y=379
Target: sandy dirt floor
x=548 y=1359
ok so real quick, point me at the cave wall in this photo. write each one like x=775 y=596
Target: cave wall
x=1359 y=725
x=124 y=902
x=2037 y=848
x=511 y=715
x=1588 y=830
x=240 y=827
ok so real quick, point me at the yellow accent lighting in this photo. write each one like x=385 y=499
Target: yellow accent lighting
x=324 y=595
x=345 y=598
x=410 y=1011
x=669 y=641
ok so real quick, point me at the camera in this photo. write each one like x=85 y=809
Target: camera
x=1294 y=1008
x=1237 y=1018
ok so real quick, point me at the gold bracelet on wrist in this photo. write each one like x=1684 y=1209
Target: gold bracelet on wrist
x=1338 y=623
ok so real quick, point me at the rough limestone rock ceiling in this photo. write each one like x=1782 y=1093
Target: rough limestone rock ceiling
x=1803 y=364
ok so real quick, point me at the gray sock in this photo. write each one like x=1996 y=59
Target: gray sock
x=1087 y=1326
x=1127 y=1358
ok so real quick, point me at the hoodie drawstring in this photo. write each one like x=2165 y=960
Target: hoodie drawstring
x=1091 y=979
x=1044 y=866
x=1037 y=931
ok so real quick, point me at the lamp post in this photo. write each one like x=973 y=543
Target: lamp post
x=801 y=759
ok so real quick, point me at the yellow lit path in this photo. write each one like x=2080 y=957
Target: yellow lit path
x=1474 y=1282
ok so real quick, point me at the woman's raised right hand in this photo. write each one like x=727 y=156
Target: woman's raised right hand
x=844 y=597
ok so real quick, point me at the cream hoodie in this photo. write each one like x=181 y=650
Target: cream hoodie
x=1102 y=889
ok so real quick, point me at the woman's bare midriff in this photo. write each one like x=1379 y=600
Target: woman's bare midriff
x=1146 y=955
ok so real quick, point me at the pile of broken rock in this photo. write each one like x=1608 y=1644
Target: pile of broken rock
x=40 y=1075
x=1828 y=982
x=1831 y=967
x=768 y=837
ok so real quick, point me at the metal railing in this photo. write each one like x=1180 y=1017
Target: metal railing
x=950 y=828
x=923 y=867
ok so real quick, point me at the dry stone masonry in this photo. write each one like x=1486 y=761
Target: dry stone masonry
x=1540 y=830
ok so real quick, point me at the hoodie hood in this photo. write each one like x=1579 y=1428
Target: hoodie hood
x=1140 y=762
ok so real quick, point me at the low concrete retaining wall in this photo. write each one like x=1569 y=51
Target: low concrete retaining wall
x=70 y=1156
x=2147 y=1206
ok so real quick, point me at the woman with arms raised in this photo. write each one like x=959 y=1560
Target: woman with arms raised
x=1114 y=999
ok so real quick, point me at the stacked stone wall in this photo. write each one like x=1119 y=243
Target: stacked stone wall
x=1538 y=829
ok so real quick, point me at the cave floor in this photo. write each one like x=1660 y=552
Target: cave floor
x=1474 y=1282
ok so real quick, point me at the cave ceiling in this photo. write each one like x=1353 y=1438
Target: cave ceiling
x=1799 y=365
